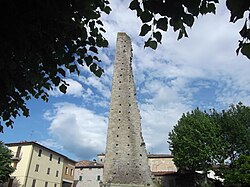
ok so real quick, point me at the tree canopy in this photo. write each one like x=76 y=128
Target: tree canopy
x=5 y=163
x=203 y=140
x=43 y=41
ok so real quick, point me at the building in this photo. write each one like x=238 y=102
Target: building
x=68 y=173
x=38 y=166
x=163 y=169
x=90 y=174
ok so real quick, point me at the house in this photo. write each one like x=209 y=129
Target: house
x=88 y=174
x=37 y=166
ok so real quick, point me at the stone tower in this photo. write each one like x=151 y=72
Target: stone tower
x=126 y=162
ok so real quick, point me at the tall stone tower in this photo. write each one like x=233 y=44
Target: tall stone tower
x=126 y=162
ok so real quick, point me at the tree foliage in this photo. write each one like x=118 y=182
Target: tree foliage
x=41 y=41
x=5 y=163
x=194 y=142
x=240 y=177
x=158 y=15
x=202 y=140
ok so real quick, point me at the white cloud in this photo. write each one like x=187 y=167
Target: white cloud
x=78 y=130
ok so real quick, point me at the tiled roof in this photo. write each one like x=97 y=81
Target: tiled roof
x=88 y=164
x=160 y=156
x=163 y=173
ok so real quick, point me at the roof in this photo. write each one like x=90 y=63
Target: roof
x=164 y=173
x=38 y=145
x=160 y=156
x=88 y=164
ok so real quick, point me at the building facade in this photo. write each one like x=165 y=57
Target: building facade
x=37 y=166
x=88 y=174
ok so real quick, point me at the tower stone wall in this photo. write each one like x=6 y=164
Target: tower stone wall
x=126 y=159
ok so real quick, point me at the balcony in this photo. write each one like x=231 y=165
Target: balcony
x=16 y=156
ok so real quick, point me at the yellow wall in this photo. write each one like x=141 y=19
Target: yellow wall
x=44 y=163
x=26 y=164
x=22 y=166
x=161 y=164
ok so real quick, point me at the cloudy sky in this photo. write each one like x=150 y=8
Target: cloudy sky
x=200 y=71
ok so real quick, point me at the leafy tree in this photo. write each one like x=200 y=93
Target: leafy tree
x=158 y=15
x=194 y=142
x=5 y=163
x=201 y=140
x=41 y=41
x=235 y=127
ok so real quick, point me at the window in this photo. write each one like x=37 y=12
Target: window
x=98 y=177
x=67 y=171
x=33 y=183
x=37 y=167
x=57 y=173
x=46 y=184
x=71 y=172
x=48 y=171
x=59 y=160
x=50 y=157
x=18 y=152
x=80 y=178
x=40 y=152
x=54 y=185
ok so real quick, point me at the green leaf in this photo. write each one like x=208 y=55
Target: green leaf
x=91 y=40
x=188 y=19
x=145 y=29
x=134 y=5
x=245 y=50
x=93 y=49
x=56 y=80
x=93 y=68
x=61 y=71
x=151 y=43
x=99 y=72
x=80 y=61
x=211 y=8
x=63 y=88
x=146 y=16
x=99 y=22
x=162 y=24
x=107 y=9
x=157 y=35
x=88 y=60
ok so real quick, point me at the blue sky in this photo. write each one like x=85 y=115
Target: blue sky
x=200 y=71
